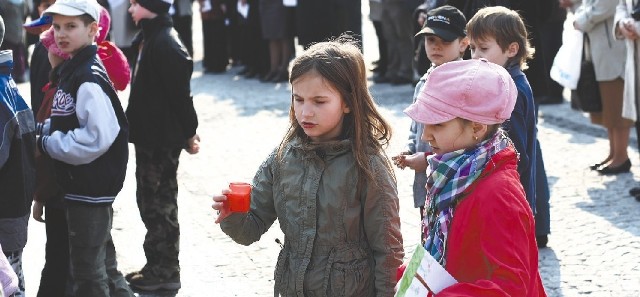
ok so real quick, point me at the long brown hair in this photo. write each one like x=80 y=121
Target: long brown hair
x=341 y=64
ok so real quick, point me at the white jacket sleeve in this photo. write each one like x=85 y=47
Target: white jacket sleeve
x=98 y=129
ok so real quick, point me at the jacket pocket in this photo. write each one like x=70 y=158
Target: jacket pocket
x=353 y=278
x=281 y=274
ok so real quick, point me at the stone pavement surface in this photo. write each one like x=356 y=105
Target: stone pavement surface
x=594 y=248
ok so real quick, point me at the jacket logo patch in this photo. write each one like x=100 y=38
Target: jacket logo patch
x=63 y=104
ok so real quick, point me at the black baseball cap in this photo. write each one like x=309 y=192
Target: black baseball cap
x=446 y=22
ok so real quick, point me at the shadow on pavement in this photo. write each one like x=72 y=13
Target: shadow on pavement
x=550 y=273
x=159 y=293
x=614 y=204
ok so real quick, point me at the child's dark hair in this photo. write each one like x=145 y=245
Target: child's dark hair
x=340 y=63
x=87 y=19
x=506 y=26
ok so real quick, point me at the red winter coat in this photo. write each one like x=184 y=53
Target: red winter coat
x=491 y=249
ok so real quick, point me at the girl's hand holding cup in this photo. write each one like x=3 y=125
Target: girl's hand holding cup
x=220 y=204
x=235 y=199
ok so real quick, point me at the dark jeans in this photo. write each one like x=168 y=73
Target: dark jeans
x=542 y=216
x=54 y=280
x=93 y=255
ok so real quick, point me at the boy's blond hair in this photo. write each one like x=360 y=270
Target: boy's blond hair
x=506 y=26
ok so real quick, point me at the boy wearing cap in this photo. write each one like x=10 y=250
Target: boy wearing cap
x=444 y=41
x=499 y=35
x=489 y=247
x=163 y=123
x=86 y=136
x=17 y=168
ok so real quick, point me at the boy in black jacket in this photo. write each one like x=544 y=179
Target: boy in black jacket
x=163 y=122
x=87 y=138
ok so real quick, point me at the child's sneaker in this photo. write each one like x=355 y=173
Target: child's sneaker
x=148 y=282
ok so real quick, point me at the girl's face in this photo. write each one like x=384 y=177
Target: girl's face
x=440 y=51
x=489 y=49
x=449 y=136
x=71 y=34
x=138 y=12
x=44 y=4
x=318 y=106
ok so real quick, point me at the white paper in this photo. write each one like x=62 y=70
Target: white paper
x=290 y=3
x=423 y=274
x=243 y=9
x=206 y=6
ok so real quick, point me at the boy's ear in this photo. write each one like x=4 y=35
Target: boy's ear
x=93 y=29
x=464 y=43
x=512 y=49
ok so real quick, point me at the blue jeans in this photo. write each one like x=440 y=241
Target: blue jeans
x=92 y=253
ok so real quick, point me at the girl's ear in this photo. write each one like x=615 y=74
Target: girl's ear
x=512 y=49
x=479 y=130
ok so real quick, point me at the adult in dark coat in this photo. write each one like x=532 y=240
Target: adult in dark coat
x=318 y=20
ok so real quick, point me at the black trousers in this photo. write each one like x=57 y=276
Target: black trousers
x=55 y=273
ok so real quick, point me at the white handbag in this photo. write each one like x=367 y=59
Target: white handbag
x=566 y=65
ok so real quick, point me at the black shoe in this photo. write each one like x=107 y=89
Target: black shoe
x=396 y=81
x=542 y=241
x=597 y=165
x=281 y=76
x=269 y=76
x=547 y=100
x=622 y=168
x=150 y=282
x=383 y=79
x=244 y=71
x=637 y=197
x=635 y=191
x=130 y=275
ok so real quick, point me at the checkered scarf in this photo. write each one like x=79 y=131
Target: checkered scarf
x=449 y=175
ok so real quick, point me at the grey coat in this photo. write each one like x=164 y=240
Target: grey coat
x=595 y=17
x=631 y=79
x=337 y=243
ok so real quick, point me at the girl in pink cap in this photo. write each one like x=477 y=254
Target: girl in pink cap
x=477 y=222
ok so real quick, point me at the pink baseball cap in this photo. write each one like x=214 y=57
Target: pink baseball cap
x=476 y=90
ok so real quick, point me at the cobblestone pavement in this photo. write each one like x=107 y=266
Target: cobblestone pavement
x=594 y=248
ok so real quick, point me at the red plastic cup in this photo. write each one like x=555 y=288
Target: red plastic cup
x=239 y=199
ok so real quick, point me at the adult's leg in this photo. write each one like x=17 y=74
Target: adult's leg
x=398 y=28
x=618 y=128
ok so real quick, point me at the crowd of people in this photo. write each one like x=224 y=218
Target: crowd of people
x=329 y=183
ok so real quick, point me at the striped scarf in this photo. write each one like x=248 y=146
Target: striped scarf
x=449 y=175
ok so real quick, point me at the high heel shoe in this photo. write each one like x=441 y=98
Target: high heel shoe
x=597 y=165
x=269 y=76
x=281 y=76
x=622 y=168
